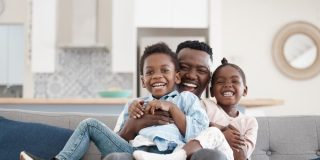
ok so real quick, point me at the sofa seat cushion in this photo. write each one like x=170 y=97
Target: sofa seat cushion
x=39 y=139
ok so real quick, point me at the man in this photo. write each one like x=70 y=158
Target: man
x=195 y=61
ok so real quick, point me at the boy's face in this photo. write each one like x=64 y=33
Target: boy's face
x=159 y=75
x=194 y=70
x=228 y=87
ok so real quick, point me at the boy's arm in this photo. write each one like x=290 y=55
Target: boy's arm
x=132 y=126
x=177 y=115
x=196 y=117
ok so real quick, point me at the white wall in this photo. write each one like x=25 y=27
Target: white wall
x=248 y=29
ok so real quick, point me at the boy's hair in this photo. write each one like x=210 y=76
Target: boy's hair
x=157 y=48
x=224 y=62
x=195 y=45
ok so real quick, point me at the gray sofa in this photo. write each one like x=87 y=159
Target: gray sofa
x=279 y=138
x=288 y=138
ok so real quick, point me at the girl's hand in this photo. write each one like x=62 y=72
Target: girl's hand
x=235 y=140
x=136 y=109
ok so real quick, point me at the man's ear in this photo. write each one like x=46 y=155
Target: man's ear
x=142 y=81
x=245 y=92
x=177 y=78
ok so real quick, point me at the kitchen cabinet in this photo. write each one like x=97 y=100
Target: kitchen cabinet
x=14 y=11
x=11 y=54
x=67 y=23
x=124 y=37
x=84 y=23
x=171 y=13
x=43 y=32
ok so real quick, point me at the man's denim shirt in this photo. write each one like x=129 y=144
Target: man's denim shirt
x=167 y=137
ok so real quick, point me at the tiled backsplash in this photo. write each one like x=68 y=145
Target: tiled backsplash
x=80 y=73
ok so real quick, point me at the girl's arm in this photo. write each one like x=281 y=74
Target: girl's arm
x=250 y=135
x=244 y=151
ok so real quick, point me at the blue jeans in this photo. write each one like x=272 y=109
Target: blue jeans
x=93 y=130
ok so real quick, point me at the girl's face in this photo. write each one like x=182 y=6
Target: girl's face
x=228 y=87
x=159 y=75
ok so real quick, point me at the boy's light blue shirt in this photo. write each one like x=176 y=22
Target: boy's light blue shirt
x=167 y=137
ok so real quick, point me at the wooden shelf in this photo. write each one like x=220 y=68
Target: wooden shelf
x=248 y=103
x=121 y=101
x=261 y=102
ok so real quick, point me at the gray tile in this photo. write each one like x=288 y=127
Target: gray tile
x=80 y=73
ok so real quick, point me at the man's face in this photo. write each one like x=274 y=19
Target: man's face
x=194 y=70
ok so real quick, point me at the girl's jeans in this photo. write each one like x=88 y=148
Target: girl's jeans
x=93 y=130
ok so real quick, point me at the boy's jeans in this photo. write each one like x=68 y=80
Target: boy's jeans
x=104 y=138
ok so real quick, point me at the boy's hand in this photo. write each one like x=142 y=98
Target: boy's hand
x=158 y=105
x=235 y=140
x=136 y=108
x=133 y=126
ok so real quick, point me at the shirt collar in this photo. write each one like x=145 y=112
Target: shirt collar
x=171 y=94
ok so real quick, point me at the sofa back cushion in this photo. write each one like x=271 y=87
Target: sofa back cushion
x=42 y=140
x=287 y=138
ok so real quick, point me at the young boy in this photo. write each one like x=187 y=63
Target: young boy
x=159 y=74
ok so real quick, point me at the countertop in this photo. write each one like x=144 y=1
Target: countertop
x=249 y=103
x=111 y=101
x=260 y=102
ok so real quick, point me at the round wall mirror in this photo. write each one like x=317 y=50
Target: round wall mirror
x=296 y=50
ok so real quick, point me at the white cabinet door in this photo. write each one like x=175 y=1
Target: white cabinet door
x=153 y=13
x=16 y=55
x=11 y=54
x=123 y=37
x=171 y=13
x=43 y=35
x=4 y=32
x=190 y=13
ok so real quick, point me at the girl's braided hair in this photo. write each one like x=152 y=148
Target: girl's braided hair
x=224 y=62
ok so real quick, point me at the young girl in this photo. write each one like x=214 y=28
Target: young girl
x=228 y=85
